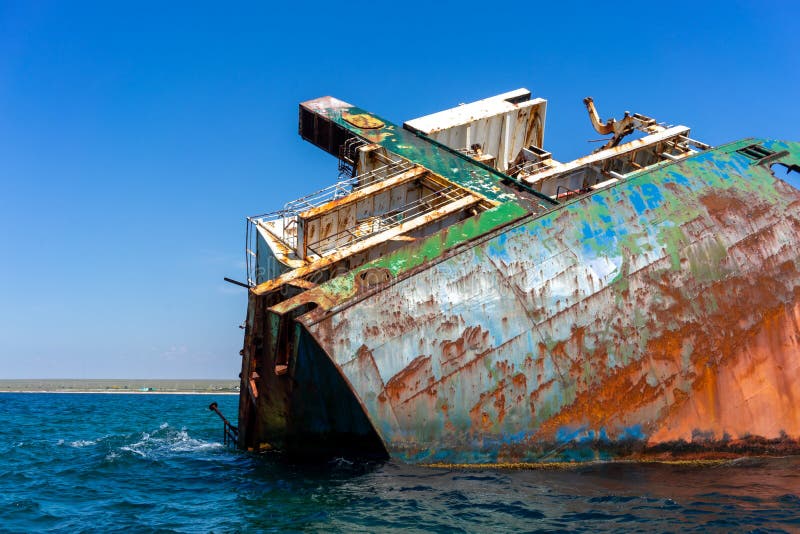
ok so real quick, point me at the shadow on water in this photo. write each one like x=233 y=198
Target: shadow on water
x=346 y=496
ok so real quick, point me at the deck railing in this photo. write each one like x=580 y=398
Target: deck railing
x=380 y=223
x=283 y=222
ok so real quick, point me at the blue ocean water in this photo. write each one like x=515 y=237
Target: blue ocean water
x=146 y=463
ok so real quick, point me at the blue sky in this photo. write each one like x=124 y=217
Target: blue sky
x=134 y=139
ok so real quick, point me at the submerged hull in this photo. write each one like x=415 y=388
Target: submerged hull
x=656 y=316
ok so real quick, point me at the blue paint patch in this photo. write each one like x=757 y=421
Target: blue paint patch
x=566 y=434
x=678 y=178
x=583 y=454
x=600 y=199
x=587 y=231
x=705 y=157
x=723 y=175
x=497 y=247
x=516 y=437
x=418 y=457
x=652 y=195
x=520 y=232
x=609 y=238
x=439 y=456
x=637 y=201
x=776 y=145
x=634 y=433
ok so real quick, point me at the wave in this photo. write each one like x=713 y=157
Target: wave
x=162 y=443
x=81 y=443
x=157 y=444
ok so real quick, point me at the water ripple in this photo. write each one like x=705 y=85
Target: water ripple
x=157 y=464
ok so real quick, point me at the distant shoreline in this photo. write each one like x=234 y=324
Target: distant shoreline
x=136 y=386
x=123 y=392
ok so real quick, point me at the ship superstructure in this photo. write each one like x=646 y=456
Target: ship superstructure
x=458 y=295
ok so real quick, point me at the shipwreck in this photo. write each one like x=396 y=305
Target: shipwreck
x=459 y=295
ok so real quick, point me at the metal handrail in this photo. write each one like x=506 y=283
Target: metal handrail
x=531 y=167
x=388 y=220
x=336 y=190
x=230 y=433
x=288 y=215
x=571 y=191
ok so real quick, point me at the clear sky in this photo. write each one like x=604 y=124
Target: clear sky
x=134 y=139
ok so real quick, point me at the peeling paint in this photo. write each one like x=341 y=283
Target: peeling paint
x=657 y=316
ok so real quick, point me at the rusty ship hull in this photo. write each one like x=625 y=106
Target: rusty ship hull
x=651 y=309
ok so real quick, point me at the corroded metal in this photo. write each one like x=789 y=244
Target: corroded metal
x=654 y=314
x=661 y=311
x=229 y=432
x=619 y=128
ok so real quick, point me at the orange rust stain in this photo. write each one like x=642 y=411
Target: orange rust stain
x=721 y=205
x=787 y=268
x=476 y=338
x=723 y=354
x=366 y=362
x=459 y=352
x=754 y=392
x=446 y=325
x=407 y=382
x=520 y=381
x=453 y=353
x=493 y=407
x=500 y=406
x=715 y=322
x=503 y=368
x=468 y=367
x=536 y=393
x=624 y=392
x=602 y=406
x=494 y=401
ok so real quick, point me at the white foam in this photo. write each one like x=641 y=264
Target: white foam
x=82 y=443
x=166 y=441
x=133 y=450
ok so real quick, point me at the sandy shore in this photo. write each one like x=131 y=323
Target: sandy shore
x=124 y=392
x=122 y=386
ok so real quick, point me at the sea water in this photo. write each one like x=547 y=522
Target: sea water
x=156 y=463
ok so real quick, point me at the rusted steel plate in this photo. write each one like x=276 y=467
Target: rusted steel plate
x=414 y=147
x=662 y=313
